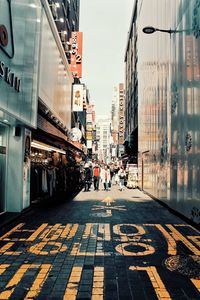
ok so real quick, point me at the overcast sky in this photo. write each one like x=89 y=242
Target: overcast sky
x=105 y=26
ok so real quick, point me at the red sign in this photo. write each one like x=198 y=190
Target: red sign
x=76 y=54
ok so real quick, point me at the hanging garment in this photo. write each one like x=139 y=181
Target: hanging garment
x=44 y=181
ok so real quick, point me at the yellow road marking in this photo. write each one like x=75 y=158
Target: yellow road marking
x=140 y=230
x=14 y=229
x=195 y=239
x=108 y=200
x=37 y=232
x=72 y=231
x=98 y=283
x=156 y=281
x=196 y=283
x=121 y=249
x=3 y=268
x=36 y=286
x=171 y=244
x=66 y=231
x=76 y=251
x=38 y=248
x=72 y=286
x=179 y=237
x=39 y=281
x=52 y=233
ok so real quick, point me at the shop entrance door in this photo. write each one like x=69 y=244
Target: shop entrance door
x=3 y=151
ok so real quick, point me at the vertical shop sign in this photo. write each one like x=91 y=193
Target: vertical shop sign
x=77 y=97
x=121 y=118
x=76 y=54
x=26 y=168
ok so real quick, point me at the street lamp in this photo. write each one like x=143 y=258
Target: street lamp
x=151 y=29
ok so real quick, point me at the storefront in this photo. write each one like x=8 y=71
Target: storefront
x=19 y=52
x=53 y=167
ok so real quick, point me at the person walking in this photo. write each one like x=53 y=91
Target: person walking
x=122 y=176
x=96 y=176
x=88 y=178
x=105 y=177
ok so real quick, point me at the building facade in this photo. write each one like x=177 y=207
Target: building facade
x=168 y=77
x=118 y=122
x=66 y=16
x=103 y=136
x=19 y=62
x=131 y=90
x=37 y=156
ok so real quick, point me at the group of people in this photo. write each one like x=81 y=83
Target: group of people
x=105 y=174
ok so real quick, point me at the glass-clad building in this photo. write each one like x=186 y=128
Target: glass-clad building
x=167 y=71
x=19 y=54
x=35 y=99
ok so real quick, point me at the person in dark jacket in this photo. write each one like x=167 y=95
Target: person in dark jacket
x=88 y=178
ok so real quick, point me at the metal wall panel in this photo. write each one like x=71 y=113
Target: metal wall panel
x=22 y=21
x=55 y=79
x=169 y=93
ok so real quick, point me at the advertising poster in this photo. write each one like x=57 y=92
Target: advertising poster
x=77 y=98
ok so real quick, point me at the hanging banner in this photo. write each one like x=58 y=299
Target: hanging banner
x=77 y=98
x=76 y=54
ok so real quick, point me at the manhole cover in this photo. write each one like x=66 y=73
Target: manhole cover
x=184 y=265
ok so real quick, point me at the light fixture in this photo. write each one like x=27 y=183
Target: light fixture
x=56 y=4
x=32 y=5
x=61 y=20
x=63 y=32
x=5 y=121
x=151 y=29
x=38 y=145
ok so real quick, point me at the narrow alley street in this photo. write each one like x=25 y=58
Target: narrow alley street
x=101 y=245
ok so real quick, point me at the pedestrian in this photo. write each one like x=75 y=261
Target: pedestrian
x=105 y=177
x=122 y=176
x=88 y=177
x=96 y=176
x=91 y=174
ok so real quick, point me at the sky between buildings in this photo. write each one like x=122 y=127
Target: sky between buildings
x=105 y=26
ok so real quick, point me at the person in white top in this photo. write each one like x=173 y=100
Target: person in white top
x=105 y=177
x=122 y=176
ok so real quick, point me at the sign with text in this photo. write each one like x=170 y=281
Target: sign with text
x=76 y=54
x=121 y=115
x=77 y=97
